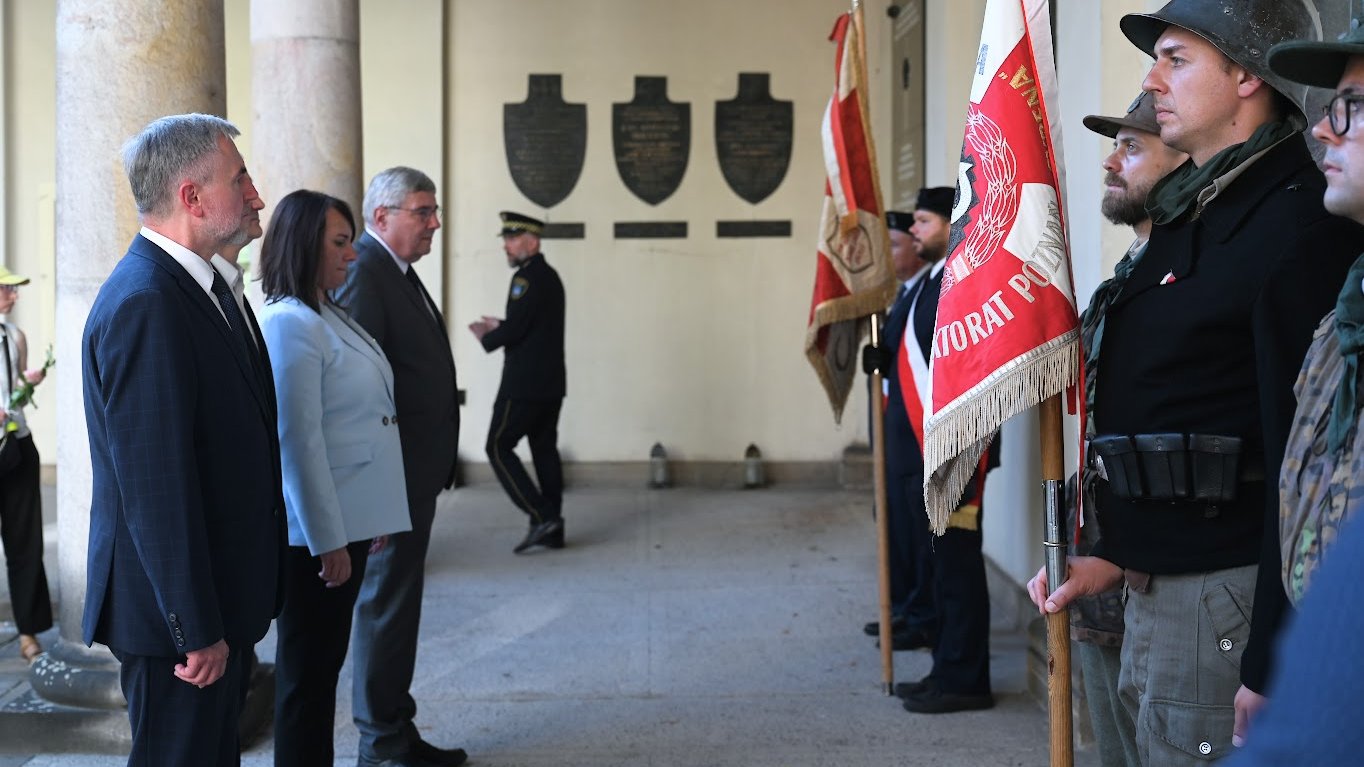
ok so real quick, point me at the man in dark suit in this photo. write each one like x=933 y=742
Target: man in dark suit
x=533 y=382
x=913 y=621
x=186 y=516
x=952 y=565
x=384 y=294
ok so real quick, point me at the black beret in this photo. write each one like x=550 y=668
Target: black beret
x=897 y=219
x=937 y=199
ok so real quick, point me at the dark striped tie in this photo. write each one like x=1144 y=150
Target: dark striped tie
x=228 y=303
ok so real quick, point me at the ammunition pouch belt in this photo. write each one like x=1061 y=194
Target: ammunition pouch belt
x=1174 y=467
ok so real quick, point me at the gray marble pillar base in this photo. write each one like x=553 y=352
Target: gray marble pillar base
x=70 y=701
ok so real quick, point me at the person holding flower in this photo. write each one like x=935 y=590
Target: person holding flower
x=21 y=510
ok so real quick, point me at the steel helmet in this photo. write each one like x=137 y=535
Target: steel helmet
x=1243 y=30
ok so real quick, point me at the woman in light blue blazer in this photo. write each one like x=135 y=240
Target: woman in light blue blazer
x=344 y=490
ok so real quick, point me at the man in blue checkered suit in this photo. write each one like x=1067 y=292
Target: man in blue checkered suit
x=186 y=517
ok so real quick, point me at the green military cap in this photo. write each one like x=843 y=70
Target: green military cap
x=1141 y=115
x=1313 y=63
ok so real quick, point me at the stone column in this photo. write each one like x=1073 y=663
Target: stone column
x=305 y=92
x=120 y=64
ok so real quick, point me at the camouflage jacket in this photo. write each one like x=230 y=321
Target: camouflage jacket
x=1318 y=490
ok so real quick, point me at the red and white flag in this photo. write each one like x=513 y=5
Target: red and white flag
x=853 y=276
x=1007 y=333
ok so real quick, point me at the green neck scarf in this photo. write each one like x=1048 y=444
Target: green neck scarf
x=1175 y=196
x=1350 y=335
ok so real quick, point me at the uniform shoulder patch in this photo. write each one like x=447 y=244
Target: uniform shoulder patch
x=519 y=287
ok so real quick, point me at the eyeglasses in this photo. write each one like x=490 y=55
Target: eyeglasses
x=424 y=213
x=1339 y=110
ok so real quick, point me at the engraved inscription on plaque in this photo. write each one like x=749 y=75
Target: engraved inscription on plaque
x=652 y=140
x=546 y=141
x=564 y=232
x=753 y=138
x=726 y=229
x=650 y=230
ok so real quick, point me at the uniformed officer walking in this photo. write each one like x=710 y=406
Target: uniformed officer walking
x=533 y=382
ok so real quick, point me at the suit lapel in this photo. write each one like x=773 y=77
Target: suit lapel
x=267 y=375
x=926 y=312
x=145 y=248
x=376 y=253
x=350 y=334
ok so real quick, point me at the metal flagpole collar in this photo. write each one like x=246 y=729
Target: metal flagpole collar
x=1055 y=538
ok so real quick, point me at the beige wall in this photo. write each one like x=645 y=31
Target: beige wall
x=694 y=343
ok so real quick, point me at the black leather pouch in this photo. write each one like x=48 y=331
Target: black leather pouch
x=1120 y=465
x=1215 y=461
x=1164 y=465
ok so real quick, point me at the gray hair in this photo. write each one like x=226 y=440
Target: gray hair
x=390 y=188
x=167 y=150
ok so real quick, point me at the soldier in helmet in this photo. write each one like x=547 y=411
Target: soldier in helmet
x=1194 y=378
x=1313 y=719
x=1138 y=161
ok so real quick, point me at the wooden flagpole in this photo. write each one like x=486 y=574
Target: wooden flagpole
x=883 y=513
x=878 y=457
x=1058 y=624
x=878 y=420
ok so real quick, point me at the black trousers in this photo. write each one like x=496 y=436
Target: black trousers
x=911 y=555
x=21 y=533
x=961 y=658
x=175 y=723
x=312 y=635
x=538 y=422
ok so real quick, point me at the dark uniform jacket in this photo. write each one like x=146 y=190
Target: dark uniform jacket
x=532 y=334
x=1215 y=350
x=904 y=454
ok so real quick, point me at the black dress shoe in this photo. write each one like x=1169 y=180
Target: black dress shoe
x=874 y=628
x=555 y=540
x=445 y=757
x=410 y=759
x=910 y=689
x=933 y=700
x=543 y=534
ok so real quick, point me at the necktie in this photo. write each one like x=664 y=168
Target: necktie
x=235 y=321
x=421 y=292
x=899 y=296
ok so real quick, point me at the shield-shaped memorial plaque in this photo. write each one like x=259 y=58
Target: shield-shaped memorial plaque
x=652 y=140
x=753 y=138
x=546 y=141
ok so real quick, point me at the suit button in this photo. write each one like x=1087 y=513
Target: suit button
x=180 y=641
x=395 y=419
x=173 y=617
x=385 y=420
